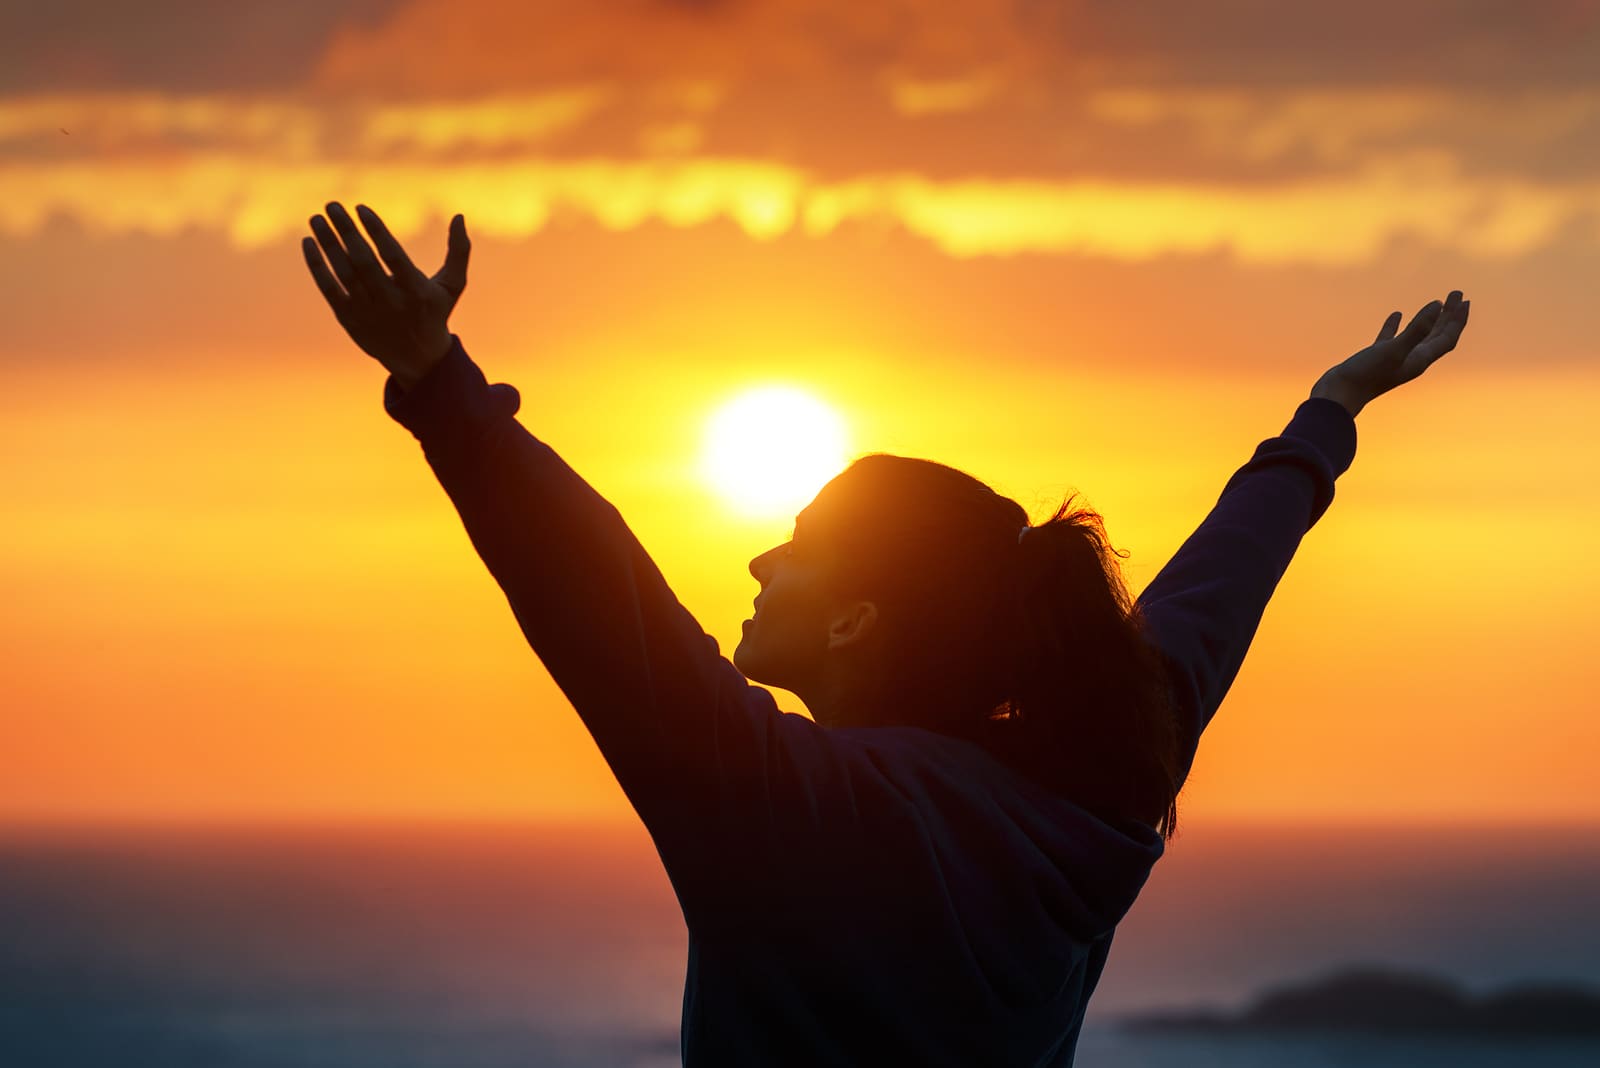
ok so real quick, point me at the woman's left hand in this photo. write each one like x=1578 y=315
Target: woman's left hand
x=1396 y=358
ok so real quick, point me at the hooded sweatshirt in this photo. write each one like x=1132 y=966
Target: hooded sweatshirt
x=863 y=895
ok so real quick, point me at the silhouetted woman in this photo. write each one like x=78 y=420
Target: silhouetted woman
x=931 y=872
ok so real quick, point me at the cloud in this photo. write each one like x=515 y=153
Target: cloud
x=1340 y=219
x=1243 y=91
x=986 y=127
x=434 y=47
x=1554 y=131
x=438 y=47
x=1336 y=221
x=913 y=96
x=187 y=46
x=1264 y=44
x=1036 y=43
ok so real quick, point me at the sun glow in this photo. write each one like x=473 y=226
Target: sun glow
x=770 y=449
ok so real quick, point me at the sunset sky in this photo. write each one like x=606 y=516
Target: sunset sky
x=1063 y=246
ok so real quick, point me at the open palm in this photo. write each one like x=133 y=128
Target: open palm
x=1396 y=358
x=400 y=319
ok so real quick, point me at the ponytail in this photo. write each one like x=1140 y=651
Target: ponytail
x=1088 y=712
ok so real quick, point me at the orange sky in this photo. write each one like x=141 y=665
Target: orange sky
x=1076 y=250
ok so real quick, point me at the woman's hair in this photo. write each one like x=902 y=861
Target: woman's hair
x=1033 y=650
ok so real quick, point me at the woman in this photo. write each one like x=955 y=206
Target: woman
x=931 y=870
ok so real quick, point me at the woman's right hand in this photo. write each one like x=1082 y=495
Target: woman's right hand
x=400 y=319
x=1395 y=359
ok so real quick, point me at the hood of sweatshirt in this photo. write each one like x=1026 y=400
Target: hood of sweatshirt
x=943 y=865
x=991 y=824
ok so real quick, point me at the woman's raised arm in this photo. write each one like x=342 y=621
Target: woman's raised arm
x=1203 y=609
x=703 y=755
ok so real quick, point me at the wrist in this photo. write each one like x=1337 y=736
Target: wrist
x=1337 y=390
x=409 y=375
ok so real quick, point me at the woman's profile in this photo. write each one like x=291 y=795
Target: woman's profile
x=931 y=869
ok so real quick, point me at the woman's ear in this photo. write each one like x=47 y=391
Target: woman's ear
x=852 y=624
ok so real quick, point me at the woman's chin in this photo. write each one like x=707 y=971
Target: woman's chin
x=746 y=659
x=741 y=657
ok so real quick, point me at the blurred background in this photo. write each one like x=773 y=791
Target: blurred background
x=282 y=782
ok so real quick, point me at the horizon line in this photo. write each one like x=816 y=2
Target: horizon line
x=268 y=821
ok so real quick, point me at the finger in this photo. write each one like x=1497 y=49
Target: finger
x=1448 y=315
x=1426 y=354
x=1443 y=340
x=393 y=255
x=453 y=275
x=1420 y=325
x=336 y=297
x=366 y=264
x=336 y=255
x=1390 y=325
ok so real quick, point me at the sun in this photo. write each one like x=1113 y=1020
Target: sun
x=770 y=449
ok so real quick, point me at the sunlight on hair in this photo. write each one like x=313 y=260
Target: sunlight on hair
x=770 y=449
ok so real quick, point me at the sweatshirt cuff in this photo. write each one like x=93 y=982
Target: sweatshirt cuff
x=452 y=406
x=1330 y=427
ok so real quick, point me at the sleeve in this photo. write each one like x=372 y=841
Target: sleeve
x=698 y=750
x=1203 y=608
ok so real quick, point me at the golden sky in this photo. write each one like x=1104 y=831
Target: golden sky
x=1064 y=246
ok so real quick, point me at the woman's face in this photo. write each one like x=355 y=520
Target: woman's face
x=784 y=642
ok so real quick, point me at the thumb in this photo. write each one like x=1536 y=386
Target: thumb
x=453 y=275
x=1390 y=326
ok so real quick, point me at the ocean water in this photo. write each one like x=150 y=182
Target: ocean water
x=1099 y=1049
x=481 y=947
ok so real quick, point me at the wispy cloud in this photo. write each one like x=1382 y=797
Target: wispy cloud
x=986 y=127
x=262 y=197
x=1537 y=132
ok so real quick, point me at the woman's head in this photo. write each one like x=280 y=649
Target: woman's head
x=905 y=598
